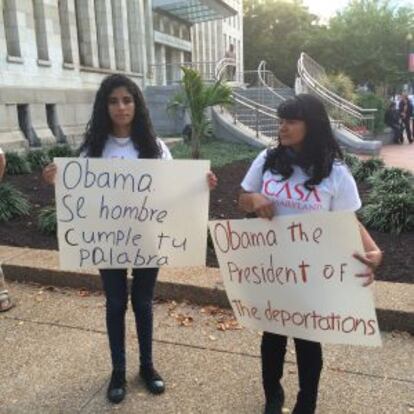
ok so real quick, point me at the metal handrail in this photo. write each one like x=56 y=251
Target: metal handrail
x=361 y=115
x=261 y=69
x=302 y=67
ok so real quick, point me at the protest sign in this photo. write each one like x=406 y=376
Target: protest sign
x=295 y=275
x=131 y=213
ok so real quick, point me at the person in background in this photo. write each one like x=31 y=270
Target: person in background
x=392 y=120
x=5 y=301
x=405 y=108
x=308 y=159
x=231 y=54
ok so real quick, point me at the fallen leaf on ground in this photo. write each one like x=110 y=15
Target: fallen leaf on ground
x=84 y=293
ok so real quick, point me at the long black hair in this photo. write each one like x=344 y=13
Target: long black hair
x=100 y=124
x=319 y=150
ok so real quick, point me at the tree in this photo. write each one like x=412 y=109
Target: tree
x=277 y=32
x=196 y=97
x=367 y=41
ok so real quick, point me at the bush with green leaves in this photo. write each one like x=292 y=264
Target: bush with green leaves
x=372 y=101
x=17 y=164
x=391 y=180
x=47 y=222
x=390 y=213
x=12 y=202
x=352 y=161
x=61 y=151
x=367 y=168
x=37 y=159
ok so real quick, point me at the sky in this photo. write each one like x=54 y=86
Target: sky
x=328 y=8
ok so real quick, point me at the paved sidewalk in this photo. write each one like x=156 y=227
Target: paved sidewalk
x=200 y=285
x=401 y=156
x=54 y=359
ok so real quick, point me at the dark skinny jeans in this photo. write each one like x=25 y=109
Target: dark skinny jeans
x=114 y=283
x=309 y=360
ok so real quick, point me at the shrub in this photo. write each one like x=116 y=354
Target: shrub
x=390 y=180
x=341 y=84
x=12 y=202
x=17 y=164
x=367 y=168
x=391 y=213
x=61 y=151
x=371 y=101
x=47 y=222
x=38 y=159
x=352 y=161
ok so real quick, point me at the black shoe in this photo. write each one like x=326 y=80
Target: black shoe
x=303 y=408
x=116 y=389
x=153 y=381
x=274 y=405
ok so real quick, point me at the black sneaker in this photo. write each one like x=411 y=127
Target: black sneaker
x=116 y=389
x=153 y=381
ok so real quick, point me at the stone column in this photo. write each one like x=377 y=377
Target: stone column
x=105 y=35
x=87 y=39
x=121 y=41
x=136 y=35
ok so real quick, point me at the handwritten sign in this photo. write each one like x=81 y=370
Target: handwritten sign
x=131 y=213
x=295 y=275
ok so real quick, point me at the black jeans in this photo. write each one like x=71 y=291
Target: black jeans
x=407 y=128
x=309 y=360
x=116 y=291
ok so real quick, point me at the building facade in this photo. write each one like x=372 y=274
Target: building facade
x=54 y=54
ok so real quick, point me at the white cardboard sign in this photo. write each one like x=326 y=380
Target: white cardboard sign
x=115 y=213
x=295 y=275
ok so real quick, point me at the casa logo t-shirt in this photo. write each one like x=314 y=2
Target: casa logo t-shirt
x=338 y=192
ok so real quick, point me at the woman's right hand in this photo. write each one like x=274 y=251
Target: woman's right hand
x=49 y=173
x=257 y=203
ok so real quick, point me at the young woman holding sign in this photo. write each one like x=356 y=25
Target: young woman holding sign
x=303 y=174
x=120 y=127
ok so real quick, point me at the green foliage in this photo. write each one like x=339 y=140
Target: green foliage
x=352 y=161
x=276 y=31
x=390 y=204
x=367 y=168
x=12 y=202
x=197 y=96
x=17 y=164
x=219 y=152
x=370 y=100
x=47 y=222
x=366 y=40
x=391 y=213
x=61 y=151
x=390 y=180
x=341 y=84
x=37 y=159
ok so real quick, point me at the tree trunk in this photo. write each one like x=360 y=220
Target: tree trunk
x=195 y=144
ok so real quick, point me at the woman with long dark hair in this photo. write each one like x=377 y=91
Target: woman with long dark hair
x=308 y=175
x=120 y=127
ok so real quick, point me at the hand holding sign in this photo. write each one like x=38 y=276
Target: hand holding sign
x=295 y=276
x=126 y=213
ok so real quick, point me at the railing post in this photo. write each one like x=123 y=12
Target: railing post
x=257 y=121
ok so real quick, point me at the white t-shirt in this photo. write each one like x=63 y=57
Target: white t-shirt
x=338 y=192
x=1 y=151
x=124 y=148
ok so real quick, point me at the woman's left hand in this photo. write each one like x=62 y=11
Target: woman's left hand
x=372 y=260
x=212 y=180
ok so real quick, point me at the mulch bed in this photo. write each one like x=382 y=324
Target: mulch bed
x=398 y=265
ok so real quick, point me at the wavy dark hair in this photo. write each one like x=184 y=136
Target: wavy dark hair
x=320 y=149
x=100 y=124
